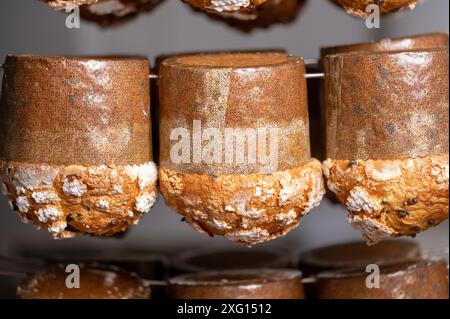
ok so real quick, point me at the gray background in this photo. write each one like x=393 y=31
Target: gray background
x=27 y=26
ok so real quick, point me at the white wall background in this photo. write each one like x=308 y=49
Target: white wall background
x=27 y=26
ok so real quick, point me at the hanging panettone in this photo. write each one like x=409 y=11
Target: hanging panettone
x=75 y=143
x=387 y=139
x=234 y=134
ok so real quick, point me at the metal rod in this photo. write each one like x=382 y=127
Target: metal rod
x=12 y=273
x=156 y=283
x=307 y=75
x=314 y=75
x=309 y=280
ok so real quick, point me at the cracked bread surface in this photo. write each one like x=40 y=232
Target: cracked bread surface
x=225 y=5
x=358 y=8
x=247 y=209
x=391 y=198
x=68 y=200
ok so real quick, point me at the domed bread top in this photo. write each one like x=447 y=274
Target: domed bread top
x=391 y=198
x=357 y=8
x=420 y=41
x=95 y=282
x=111 y=12
x=387 y=105
x=106 y=12
x=63 y=4
x=264 y=93
x=75 y=110
x=226 y=5
x=265 y=15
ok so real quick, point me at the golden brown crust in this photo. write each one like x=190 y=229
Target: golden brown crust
x=357 y=8
x=106 y=12
x=263 y=16
x=75 y=110
x=112 y=12
x=391 y=198
x=247 y=209
x=70 y=200
x=96 y=282
x=63 y=4
x=226 y=5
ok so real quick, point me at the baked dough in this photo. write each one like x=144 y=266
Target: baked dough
x=62 y=4
x=391 y=198
x=226 y=5
x=70 y=200
x=96 y=282
x=263 y=16
x=106 y=12
x=357 y=8
x=247 y=209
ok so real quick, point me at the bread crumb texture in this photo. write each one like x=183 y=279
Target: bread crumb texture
x=62 y=4
x=391 y=198
x=358 y=8
x=246 y=209
x=225 y=5
x=76 y=199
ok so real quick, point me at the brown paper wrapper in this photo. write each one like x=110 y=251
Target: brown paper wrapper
x=73 y=110
x=235 y=91
x=387 y=105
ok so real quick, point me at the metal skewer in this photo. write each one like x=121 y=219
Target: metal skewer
x=314 y=75
x=307 y=75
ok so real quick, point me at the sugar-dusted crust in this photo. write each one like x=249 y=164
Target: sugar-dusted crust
x=107 y=12
x=391 y=198
x=225 y=5
x=62 y=4
x=111 y=12
x=358 y=8
x=263 y=16
x=68 y=200
x=246 y=209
